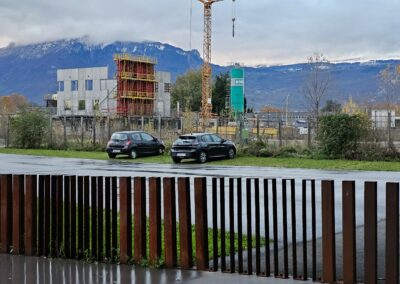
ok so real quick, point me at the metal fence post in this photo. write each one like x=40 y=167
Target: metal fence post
x=139 y=207
x=392 y=233
x=328 y=231
x=125 y=219
x=349 y=232
x=185 y=223
x=155 y=219
x=170 y=222
x=200 y=191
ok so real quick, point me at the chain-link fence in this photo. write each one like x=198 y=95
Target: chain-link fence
x=5 y=129
x=94 y=132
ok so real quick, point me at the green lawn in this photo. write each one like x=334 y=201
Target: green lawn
x=238 y=161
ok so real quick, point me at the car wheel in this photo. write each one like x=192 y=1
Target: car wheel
x=177 y=160
x=160 y=150
x=133 y=154
x=231 y=153
x=111 y=156
x=202 y=158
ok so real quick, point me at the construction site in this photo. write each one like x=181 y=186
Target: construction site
x=136 y=81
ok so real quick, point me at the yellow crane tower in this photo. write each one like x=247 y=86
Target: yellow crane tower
x=206 y=106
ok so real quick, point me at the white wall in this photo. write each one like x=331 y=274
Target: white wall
x=102 y=86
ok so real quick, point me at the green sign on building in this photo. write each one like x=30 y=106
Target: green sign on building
x=237 y=90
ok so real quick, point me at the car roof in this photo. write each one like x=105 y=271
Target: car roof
x=128 y=131
x=195 y=134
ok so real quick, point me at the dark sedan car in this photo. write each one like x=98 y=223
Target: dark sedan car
x=133 y=144
x=202 y=147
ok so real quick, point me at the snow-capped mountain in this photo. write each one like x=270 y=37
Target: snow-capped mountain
x=31 y=71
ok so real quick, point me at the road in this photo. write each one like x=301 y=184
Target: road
x=24 y=164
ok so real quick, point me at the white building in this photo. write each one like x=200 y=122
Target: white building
x=162 y=103
x=381 y=118
x=84 y=91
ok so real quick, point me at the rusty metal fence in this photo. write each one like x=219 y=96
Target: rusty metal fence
x=179 y=220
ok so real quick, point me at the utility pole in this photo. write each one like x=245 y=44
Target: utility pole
x=287 y=106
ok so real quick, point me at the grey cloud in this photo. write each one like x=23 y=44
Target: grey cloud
x=267 y=31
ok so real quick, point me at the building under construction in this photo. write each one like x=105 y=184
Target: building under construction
x=136 y=83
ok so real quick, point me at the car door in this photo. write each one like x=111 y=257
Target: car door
x=149 y=143
x=137 y=142
x=211 y=146
x=220 y=149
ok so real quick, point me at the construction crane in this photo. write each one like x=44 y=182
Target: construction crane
x=206 y=106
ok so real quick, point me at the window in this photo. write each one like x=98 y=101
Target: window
x=216 y=138
x=156 y=87
x=147 y=137
x=74 y=85
x=119 y=136
x=81 y=105
x=89 y=85
x=67 y=105
x=95 y=104
x=61 y=86
x=167 y=87
x=136 y=137
x=206 y=138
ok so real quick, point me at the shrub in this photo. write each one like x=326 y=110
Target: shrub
x=29 y=128
x=339 y=134
x=375 y=152
x=253 y=148
x=286 y=151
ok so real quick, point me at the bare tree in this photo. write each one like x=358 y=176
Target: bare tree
x=316 y=85
x=390 y=85
x=390 y=89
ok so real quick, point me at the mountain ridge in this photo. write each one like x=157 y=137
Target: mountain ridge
x=31 y=71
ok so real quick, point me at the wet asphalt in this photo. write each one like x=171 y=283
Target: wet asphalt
x=32 y=270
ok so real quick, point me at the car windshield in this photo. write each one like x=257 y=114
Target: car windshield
x=187 y=137
x=119 y=136
x=184 y=139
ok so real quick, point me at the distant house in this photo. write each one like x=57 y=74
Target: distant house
x=381 y=118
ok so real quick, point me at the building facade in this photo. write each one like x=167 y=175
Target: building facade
x=162 y=104
x=89 y=92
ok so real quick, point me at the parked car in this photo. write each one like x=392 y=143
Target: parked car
x=202 y=147
x=134 y=144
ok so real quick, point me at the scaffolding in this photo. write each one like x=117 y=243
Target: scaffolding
x=135 y=84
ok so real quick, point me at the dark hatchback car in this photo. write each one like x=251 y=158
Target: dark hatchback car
x=202 y=147
x=134 y=144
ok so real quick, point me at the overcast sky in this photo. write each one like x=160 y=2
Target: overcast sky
x=267 y=31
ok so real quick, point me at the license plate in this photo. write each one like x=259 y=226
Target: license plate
x=116 y=151
x=181 y=154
